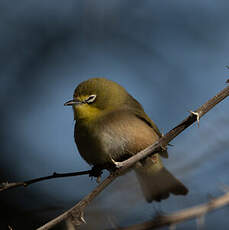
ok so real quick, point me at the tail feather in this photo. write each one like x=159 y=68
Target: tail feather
x=157 y=182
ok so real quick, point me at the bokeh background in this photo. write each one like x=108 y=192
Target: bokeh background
x=170 y=55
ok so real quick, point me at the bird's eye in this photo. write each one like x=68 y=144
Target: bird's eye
x=90 y=99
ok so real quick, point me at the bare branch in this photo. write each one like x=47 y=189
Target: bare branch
x=163 y=141
x=180 y=216
x=5 y=185
x=76 y=212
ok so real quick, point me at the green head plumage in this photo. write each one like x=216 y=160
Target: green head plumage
x=96 y=96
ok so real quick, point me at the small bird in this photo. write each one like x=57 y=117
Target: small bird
x=112 y=126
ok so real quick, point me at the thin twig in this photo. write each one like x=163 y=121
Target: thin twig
x=180 y=216
x=5 y=185
x=76 y=212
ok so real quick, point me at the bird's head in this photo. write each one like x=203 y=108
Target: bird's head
x=95 y=97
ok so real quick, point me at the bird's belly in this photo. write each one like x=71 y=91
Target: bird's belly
x=114 y=140
x=99 y=149
x=90 y=150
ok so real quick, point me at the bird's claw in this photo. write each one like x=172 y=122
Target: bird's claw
x=95 y=172
x=98 y=179
x=77 y=217
x=83 y=220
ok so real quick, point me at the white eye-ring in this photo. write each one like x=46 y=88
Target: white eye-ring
x=90 y=99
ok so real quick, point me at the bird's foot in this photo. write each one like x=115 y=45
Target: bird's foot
x=96 y=171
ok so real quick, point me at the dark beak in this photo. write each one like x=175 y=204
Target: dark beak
x=72 y=102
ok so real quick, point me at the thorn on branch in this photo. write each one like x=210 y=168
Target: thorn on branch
x=197 y=117
x=77 y=217
x=83 y=220
x=116 y=164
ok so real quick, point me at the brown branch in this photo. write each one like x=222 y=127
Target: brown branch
x=180 y=216
x=76 y=212
x=6 y=185
x=163 y=141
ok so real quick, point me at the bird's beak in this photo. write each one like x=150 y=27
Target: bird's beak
x=72 y=102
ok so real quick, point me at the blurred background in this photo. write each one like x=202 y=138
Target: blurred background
x=170 y=55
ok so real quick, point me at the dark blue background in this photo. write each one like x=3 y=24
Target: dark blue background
x=170 y=55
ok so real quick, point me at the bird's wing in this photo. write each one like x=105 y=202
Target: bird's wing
x=139 y=112
x=142 y=115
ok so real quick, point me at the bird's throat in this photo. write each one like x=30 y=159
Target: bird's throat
x=85 y=113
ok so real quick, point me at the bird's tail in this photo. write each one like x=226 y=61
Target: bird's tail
x=156 y=181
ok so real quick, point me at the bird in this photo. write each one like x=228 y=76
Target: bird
x=111 y=126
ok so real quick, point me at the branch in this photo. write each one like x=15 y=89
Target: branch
x=5 y=185
x=76 y=212
x=180 y=216
x=161 y=144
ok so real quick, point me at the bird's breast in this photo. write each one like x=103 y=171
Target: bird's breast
x=115 y=136
x=98 y=145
